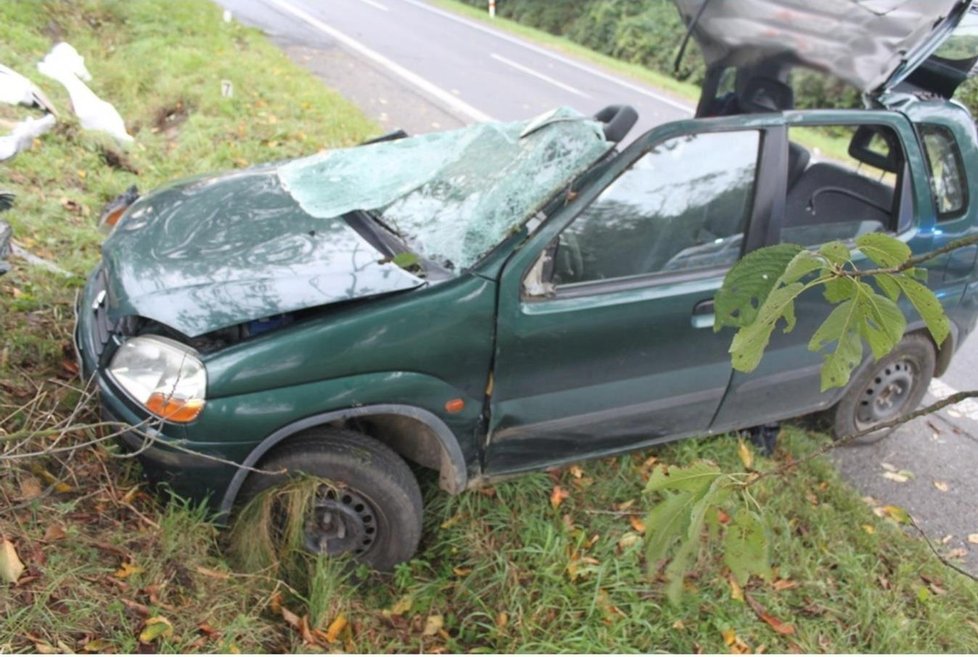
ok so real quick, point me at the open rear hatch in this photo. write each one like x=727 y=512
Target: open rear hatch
x=871 y=44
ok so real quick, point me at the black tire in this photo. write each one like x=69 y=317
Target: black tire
x=375 y=513
x=886 y=389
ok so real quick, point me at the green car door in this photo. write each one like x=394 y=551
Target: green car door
x=605 y=324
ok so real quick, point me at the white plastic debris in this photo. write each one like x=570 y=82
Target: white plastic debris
x=93 y=112
x=15 y=89
x=64 y=57
x=23 y=135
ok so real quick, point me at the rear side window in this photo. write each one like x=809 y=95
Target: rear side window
x=947 y=181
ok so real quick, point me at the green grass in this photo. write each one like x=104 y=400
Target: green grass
x=684 y=90
x=499 y=570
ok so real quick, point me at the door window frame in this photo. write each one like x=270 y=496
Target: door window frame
x=766 y=200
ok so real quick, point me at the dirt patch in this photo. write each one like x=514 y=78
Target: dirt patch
x=170 y=117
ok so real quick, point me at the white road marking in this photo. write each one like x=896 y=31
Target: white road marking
x=447 y=99
x=537 y=74
x=375 y=5
x=546 y=53
x=963 y=409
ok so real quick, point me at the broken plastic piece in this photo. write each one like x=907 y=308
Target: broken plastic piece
x=115 y=208
x=15 y=89
x=23 y=135
x=93 y=112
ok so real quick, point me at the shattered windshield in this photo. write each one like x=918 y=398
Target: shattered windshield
x=452 y=196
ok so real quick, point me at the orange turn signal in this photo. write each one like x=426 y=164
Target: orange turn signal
x=454 y=405
x=174 y=410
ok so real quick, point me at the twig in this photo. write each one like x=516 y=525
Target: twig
x=916 y=260
x=941 y=557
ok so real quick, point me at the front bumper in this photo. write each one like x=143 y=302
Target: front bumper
x=191 y=468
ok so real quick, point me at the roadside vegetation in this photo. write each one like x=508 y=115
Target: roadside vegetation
x=551 y=562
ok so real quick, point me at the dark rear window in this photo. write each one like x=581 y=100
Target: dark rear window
x=947 y=180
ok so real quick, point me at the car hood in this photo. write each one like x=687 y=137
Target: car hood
x=215 y=251
x=872 y=44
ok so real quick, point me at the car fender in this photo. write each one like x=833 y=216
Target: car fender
x=454 y=477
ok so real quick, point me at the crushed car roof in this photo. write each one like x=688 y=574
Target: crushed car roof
x=872 y=44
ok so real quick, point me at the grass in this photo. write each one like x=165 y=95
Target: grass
x=499 y=570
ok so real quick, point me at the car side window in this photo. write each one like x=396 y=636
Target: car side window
x=948 y=185
x=682 y=206
x=842 y=181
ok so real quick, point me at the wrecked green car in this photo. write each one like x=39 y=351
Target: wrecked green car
x=514 y=296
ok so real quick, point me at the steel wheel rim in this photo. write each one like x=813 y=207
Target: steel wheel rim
x=340 y=521
x=887 y=394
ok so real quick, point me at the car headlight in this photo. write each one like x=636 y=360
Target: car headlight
x=163 y=375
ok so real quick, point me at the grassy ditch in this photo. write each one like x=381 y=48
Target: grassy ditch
x=551 y=562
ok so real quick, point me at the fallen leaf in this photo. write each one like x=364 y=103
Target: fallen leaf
x=679 y=625
x=334 y=629
x=11 y=567
x=737 y=645
x=576 y=471
x=45 y=648
x=139 y=609
x=433 y=624
x=777 y=625
x=736 y=593
x=154 y=628
x=784 y=585
x=869 y=529
x=558 y=495
x=942 y=486
x=97 y=645
x=723 y=517
x=888 y=467
x=628 y=539
x=637 y=524
x=502 y=619
x=208 y=630
x=54 y=533
x=402 y=606
x=957 y=553
x=973 y=538
x=745 y=454
x=128 y=569
x=898 y=477
x=30 y=488
x=458 y=571
x=625 y=506
x=894 y=512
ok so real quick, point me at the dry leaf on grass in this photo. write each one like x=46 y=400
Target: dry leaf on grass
x=11 y=567
x=558 y=495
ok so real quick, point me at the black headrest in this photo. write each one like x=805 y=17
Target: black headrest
x=883 y=153
x=763 y=94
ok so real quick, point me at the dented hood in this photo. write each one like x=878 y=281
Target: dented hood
x=872 y=44
x=218 y=251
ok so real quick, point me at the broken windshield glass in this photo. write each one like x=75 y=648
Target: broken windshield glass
x=452 y=195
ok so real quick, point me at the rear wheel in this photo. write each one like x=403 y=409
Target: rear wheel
x=886 y=389
x=371 y=511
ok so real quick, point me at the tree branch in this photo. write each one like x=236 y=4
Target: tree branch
x=914 y=261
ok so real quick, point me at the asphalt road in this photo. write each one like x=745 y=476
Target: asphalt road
x=411 y=65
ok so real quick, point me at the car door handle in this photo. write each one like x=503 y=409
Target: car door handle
x=703 y=314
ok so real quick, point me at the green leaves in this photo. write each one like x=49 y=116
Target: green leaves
x=745 y=547
x=759 y=293
x=749 y=283
x=675 y=526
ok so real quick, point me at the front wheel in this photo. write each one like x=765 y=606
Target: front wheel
x=887 y=389
x=371 y=509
